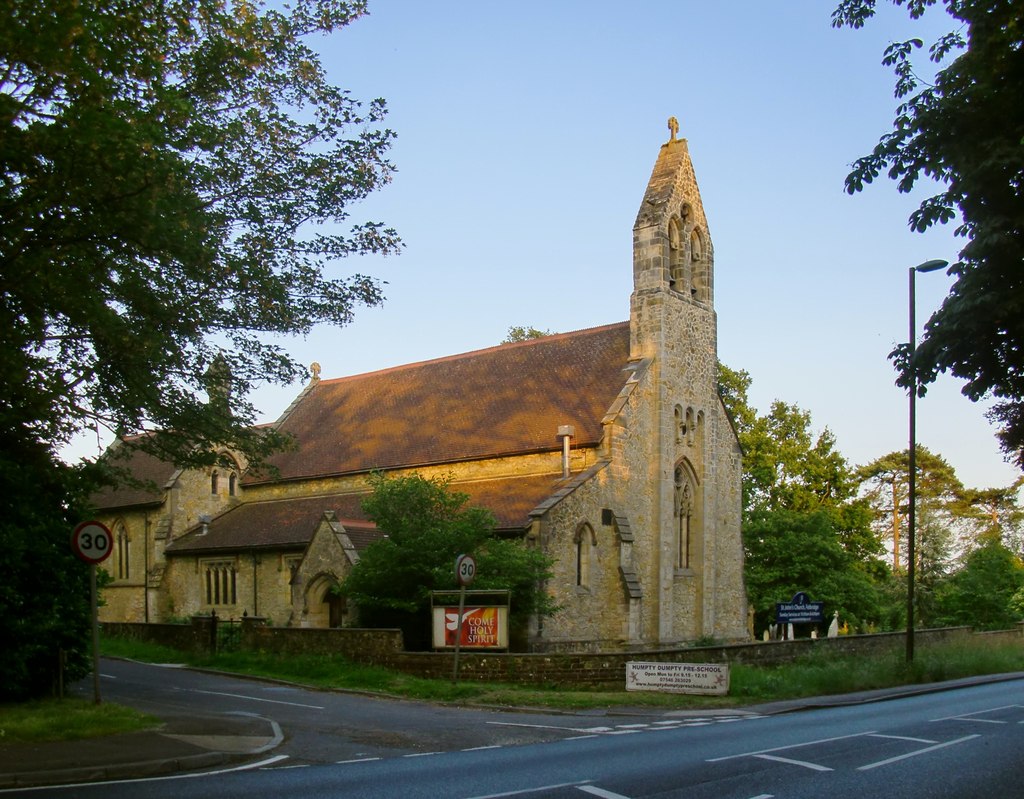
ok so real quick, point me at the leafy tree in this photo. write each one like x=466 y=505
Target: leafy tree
x=981 y=594
x=173 y=178
x=44 y=596
x=172 y=181
x=788 y=551
x=933 y=553
x=991 y=512
x=804 y=528
x=428 y=526
x=886 y=487
x=787 y=467
x=966 y=132
x=518 y=333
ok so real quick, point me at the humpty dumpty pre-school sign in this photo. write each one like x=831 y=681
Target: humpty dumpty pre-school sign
x=680 y=678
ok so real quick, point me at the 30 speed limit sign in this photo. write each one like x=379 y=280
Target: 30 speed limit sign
x=92 y=542
x=465 y=569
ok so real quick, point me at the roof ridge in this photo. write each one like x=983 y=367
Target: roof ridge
x=539 y=341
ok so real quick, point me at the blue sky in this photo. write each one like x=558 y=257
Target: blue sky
x=526 y=135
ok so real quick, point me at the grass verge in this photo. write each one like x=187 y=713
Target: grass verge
x=67 y=720
x=819 y=674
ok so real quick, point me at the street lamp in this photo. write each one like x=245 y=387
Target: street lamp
x=927 y=266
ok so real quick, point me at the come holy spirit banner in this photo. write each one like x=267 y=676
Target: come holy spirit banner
x=482 y=627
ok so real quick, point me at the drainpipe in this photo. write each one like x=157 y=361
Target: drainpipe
x=145 y=570
x=255 y=594
x=565 y=432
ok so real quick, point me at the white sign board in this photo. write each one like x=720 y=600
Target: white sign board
x=679 y=678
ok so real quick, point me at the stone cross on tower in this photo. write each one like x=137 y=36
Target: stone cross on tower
x=673 y=127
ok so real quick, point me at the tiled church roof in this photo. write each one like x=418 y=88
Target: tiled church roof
x=151 y=472
x=505 y=400
x=286 y=523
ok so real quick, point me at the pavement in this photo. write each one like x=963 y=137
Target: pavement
x=204 y=743
x=180 y=744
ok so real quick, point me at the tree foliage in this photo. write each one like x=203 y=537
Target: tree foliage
x=981 y=594
x=885 y=482
x=804 y=527
x=788 y=551
x=966 y=133
x=427 y=526
x=175 y=185
x=44 y=596
x=520 y=333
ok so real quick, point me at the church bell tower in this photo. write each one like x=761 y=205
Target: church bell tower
x=673 y=326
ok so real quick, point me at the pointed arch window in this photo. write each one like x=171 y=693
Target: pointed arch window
x=676 y=256
x=214 y=482
x=122 y=546
x=232 y=484
x=585 y=541
x=700 y=288
x=687 y=517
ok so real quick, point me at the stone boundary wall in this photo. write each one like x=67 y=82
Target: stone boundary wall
x=359 y=645
x=186 y=637
x=384 y=648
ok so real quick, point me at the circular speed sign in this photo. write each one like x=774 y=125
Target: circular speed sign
x=465 y=569
x=92 y=542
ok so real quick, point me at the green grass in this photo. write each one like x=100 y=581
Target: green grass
x=819 y=674
x=67 y=720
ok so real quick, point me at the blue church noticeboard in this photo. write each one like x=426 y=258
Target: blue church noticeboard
x=799 y=611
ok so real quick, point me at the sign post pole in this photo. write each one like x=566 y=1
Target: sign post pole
x=458 y=635
x=93 y=543
x=465 y=571
x=95 y=634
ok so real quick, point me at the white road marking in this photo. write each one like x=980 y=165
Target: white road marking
x=548 y=727
x=481 y=748
x=903 y=738
x=764 y=796
x=191 y=775
x=357 y=760
x=967 y=716
x=592 y=789
x=251 y=698
x=790 y=761
x=423 y=754
x=791 y=746
x=525 y=791
x=916 y=753
x=983 y=721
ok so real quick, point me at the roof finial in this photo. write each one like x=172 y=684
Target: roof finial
x=315 y=369
x=673 y=126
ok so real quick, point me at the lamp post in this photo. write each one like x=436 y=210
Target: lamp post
x=927 y=266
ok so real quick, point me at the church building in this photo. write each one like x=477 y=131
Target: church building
x=609 y=448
